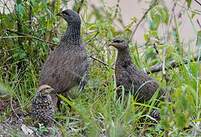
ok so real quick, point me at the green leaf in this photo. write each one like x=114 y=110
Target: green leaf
x=19 y=54
x=146 y=37
x=20 y=9
x=189 y=2
x=180 y=120
x=159 y=14
x=55 y=40
x=58 y=6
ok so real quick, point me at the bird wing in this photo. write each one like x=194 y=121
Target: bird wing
x=139 y=83
x=64 y=69
x=123 y=78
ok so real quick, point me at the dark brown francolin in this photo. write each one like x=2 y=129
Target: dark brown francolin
x=67 y=66
x=128 y=76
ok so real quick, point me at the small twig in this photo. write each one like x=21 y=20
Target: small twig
x=11 y=105
x=30 y=36
x=163 y=62
x=199 y=3
x=140 y=21
x=198 y=23
x=172 y=64
x=92 y=38
x=155 y=48
x=4 y=3
x=30 y=19
x=51 y=43
x=55 y=121
x=116 y=9
x=80 y=6
x=100 y=61
x=12 y=37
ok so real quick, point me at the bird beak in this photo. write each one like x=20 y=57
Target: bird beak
x=51 y=90
x=112 y=44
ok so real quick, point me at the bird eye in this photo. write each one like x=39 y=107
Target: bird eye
x=66 y=13
x=117 y=41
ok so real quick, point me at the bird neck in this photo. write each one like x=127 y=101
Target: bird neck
x=123 y=58
x=72 y=35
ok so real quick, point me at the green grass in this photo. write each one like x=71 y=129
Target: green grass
x=96 y=110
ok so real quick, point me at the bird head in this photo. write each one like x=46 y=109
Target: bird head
x=119 y=43
x=70 y=16
x=45 y=90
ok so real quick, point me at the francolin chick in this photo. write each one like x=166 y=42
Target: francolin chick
x=42 y=105
x=127 y=75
